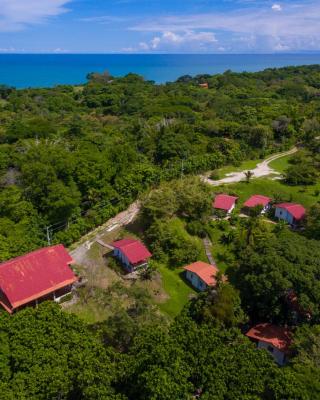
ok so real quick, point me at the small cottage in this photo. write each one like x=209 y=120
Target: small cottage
x=132 y=253
x=204 y=85
x=275 y=339
x=292 y=213
x=201 y=275
x=258 y=200
x=225 y=203
x=44 y=274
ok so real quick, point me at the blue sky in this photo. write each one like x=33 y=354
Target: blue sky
x=159 y=26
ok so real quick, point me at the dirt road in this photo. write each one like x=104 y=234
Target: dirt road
x=122 y=219
x=262 y=169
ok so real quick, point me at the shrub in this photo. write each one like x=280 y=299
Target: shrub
x=196 y=228
x=214 y=175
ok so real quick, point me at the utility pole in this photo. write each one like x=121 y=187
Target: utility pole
x=182 y=168
x=48 y=236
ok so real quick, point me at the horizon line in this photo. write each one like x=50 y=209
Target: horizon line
x=305 y=52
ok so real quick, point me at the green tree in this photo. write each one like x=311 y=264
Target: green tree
x=46 y=353
x=313 y=222
x=248 y=175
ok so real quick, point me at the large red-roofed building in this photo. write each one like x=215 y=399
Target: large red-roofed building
x=275 y=339
x=44 y=274
x=132 y=253
x=290 y=212
x=201 y=275
x=225 y=203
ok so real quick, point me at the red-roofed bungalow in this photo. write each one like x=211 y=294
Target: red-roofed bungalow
x=291 y=213
x=275 y=339
x=132 y=253
x=225 y=203
x=258 y=200
x=201 y=275
x=44 y=274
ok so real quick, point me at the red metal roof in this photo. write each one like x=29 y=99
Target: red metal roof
x=278 y=336
x=224 y=202
x=206 y=272
x=133 y=249
x=257 y=200
x=36 y=274
x=296 y=210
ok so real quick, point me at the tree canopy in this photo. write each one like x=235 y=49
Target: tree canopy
x=79 y=154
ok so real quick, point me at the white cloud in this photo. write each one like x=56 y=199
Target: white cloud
x=276 y=7
x=129 y=49
x=155 y=42
x=17 y=14
x=103 y=19
x=7 y=50
x=60 y=50
x=255 y=28
x=143 y=46
x=180 y=41
x=281 y=47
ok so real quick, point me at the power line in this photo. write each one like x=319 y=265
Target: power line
x=59 y=225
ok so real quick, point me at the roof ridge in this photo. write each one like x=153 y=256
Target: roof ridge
x=131 y=243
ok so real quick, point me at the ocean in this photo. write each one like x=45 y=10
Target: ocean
x=47 y=70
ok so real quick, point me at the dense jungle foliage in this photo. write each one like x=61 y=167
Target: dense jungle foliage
x=72 y=156
x=48 y=354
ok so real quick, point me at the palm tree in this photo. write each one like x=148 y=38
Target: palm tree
x=277 y=198
x=248 y=175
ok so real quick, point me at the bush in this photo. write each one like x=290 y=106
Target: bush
x=301 y=174
x=214 y=176
x=234 y=219
x=219 y=213
x=171 y=243
x=223 y=225
x=196 y=228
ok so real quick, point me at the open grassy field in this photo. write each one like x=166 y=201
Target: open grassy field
x=281 y=164
x=107 y=290
x=219 y=251
x=306 y=195
x=245 y=165
x=177 y=288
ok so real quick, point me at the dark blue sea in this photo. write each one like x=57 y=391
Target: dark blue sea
x=45 y=70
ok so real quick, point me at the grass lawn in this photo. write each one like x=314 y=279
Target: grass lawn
x=177 y=288
x=299 y=194
x=218 y=249
x=281 y=164
x=170 y=291
x=245 y=165
x=89 y=312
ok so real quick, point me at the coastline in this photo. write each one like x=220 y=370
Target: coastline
x=48 y=70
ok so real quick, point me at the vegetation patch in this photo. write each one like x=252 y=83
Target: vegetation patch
x=276 y=189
